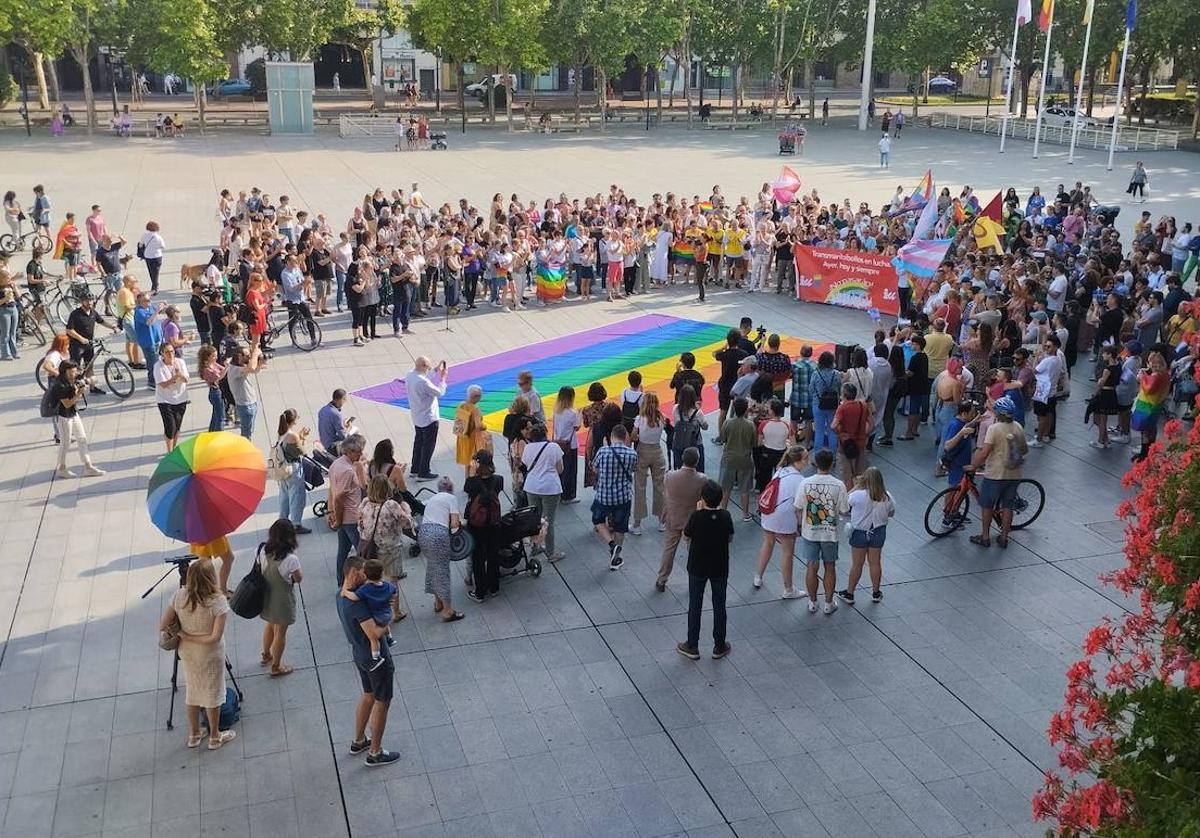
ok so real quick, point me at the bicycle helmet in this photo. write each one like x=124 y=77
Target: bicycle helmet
x=1004 y=405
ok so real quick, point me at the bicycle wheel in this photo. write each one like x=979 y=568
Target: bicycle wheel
x=940 y=521
x=119 y=378
x=40 y=374
x=8 y=243
x=305 y=334
x=1028 y=500
x=63 y=309
x=43 y=242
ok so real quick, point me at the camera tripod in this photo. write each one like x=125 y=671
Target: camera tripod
x=180 y=565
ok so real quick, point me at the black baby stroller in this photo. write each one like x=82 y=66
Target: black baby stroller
x=316 y=468
x=437 y=141
x=515 y=526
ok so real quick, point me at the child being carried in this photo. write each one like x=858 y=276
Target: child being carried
x=377 y=593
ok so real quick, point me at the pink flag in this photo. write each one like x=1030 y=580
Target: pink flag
x=786 y=186
x=1024 y=12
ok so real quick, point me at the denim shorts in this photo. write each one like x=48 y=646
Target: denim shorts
x=818 y=551
x=997 y=494
x=615 y=515
x=873 y=538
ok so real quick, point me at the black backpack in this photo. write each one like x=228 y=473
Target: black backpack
x=629 y=411
x=687 y=432
x=828 y=398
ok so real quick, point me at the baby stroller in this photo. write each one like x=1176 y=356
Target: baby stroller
x=514 y=527
x=437 y=141
x=316 y=468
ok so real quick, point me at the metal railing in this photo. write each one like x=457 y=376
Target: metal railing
x=1129 y=137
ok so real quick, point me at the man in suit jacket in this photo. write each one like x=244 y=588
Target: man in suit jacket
x=682 y=487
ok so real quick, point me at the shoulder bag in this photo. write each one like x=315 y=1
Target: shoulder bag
x=251 y=593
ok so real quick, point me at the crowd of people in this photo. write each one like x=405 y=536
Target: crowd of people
x=978 y=360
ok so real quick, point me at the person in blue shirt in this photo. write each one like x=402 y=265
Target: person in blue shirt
x=378 y=680
x=147 y=330
x=331 y=427
x=960 y=441
x=376 y=593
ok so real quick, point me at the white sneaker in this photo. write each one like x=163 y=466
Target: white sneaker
x=1119 y=439
x=812 y=606
x=1035 y=443
x=63 y=471
x=636 y=530
x=829 y=608
x=662 y=527
x=757 y=581
x=790 y=593
x=1095 y=443
x=92 y=471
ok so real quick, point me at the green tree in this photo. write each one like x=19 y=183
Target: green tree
x=590 y=32
x=512 y=40
x=178 y=36
x=936 y=35
x=41 y=29
x=451 y=28
x=1186 y=48
x=296 y=28
x=363 y=26
x=1148 y=47
x=657 y=30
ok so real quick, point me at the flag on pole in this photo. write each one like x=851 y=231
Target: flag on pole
x=921 y=258
x=784 y=189
x=993 y=210
x=1087 y=12
x=957 y=214
x=1130 y=14
x=1024 y=12
x=920 y=196
x=925 y=222
x=987 y=234
x=1047 y=14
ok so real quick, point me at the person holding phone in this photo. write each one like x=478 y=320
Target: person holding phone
x=425 y=384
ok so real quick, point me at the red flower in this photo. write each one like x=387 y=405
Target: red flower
x=1098 y=638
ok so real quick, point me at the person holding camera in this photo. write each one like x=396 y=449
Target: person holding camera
x=67 y=391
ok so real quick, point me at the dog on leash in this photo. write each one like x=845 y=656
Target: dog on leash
x=189 y=274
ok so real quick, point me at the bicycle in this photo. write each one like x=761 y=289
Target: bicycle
x=950 y=508
x=301 y=327
x=27 y=322
x=118 y=375
x=10 y=244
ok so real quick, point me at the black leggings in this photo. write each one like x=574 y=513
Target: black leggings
x=368 y=324
x=630 y=277
x=470 y=283
x=172 y=418
x=1137 y=189
x=356 y=317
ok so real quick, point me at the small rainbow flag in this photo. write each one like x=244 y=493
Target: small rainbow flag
x=551 y=282
x=1150 y=402
x=683 y=251
x=705 y=206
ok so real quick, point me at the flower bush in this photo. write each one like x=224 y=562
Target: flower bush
x=1128 y=735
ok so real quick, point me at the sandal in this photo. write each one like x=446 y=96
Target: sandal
x=1002 y=540
x=453 y=618
x=281 y=671
x=225 y=736
x=981 y=541
x=399 y=615
x=193 y=740
x=264 y=659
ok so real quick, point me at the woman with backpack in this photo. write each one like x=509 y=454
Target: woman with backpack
x=383 y=522
x=281 y=569
x=688 y=426
x=648 y=431
x=852 y=424
x=826 y=385
x=483 y=487
x=197 y=613
x=777 y=505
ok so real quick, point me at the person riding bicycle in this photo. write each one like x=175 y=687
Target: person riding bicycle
x=81 y=329
x=1001 y=457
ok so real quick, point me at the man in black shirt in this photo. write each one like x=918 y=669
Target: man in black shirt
x=916 y=387
x=81 y=329
x=746 y=326
x=785 y=265
x=730 y=358
x=709 y=531
x=685 y=373
x=320 y=268
x=199 y=304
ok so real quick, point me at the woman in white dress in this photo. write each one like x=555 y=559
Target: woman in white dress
x=780 y=525
x=662 y=249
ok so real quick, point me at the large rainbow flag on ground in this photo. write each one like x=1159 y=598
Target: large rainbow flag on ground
x=650 y=343
x=551 y=282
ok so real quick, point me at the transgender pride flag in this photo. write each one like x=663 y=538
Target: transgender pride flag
x=921 y=258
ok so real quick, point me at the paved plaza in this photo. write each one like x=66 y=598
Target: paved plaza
x=560 y=708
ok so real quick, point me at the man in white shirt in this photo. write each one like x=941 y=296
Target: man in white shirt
x=343 y=255
x=819 y=503
x=424 y=385
x=1056 y=292
x=1047 y=372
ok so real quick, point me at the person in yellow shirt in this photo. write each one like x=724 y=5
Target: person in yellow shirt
x=715 y=235
x=123 y=306
x=735 y=253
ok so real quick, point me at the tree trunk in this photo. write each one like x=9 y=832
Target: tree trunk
x=1142 y=98
x=491 y=96
x=201 y=106
x=737 y=86
x=1196 y=116
x=603 y=77
x=365 y=52
x=687 y=71
x=916 y=105
x=462 y=95
x=671 y=92
x=39 y=72
x=810 y=74
x=925 y=86
x=508 y=96
x=1091 y=99
x=80 y=54
x=777 y=70
x=52 y=73
x=529 y=109
x=658 y=91
x=578 y=87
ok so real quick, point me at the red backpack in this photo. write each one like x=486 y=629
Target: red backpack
x=768 y=498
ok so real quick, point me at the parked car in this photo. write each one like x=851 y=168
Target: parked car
x=937 y=84
x=1061 y=116
x=479 y=89
x=230 y=87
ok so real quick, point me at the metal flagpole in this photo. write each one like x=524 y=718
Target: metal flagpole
x=1012 y=71
x=1112 y=143
x=1087 y=39
x=868 y=53
x=1037 y=128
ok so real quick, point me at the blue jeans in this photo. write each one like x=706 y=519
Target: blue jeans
x=823 y=435
x=347 y=535
x=883 y=159
x=8 y=331
x=246 y=414
x=217 y=422
x=292 y=494
x=941 y=418
x=496 y=284
x=339 y=277
x=150 y=355
x=401 y=304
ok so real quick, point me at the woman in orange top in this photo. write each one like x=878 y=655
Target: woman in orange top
x=256 y=299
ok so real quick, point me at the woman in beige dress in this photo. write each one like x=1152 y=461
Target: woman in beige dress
x=202 y=610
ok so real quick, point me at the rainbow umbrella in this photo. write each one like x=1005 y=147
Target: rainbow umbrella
x=206 y=487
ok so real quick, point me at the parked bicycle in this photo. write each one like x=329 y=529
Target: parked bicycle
x=950 y=508
x=118 y=375
x=10 y=244
x=28 y=314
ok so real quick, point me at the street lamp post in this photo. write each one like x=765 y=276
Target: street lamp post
x=868 y=54
x=25 y=99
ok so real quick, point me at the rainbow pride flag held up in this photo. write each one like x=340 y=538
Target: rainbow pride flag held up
x=705 y=206
x=921 y=196
x=650 y=344
x=551 y=282
x=683 y=251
